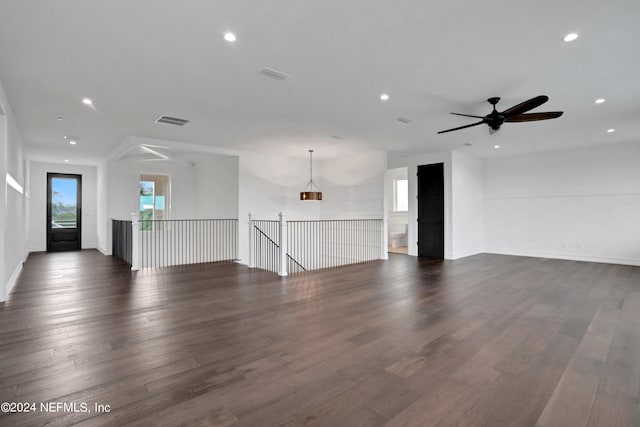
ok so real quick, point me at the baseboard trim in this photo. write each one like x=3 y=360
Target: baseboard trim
x=12 y=281
x=569 y=257
x=466 y=254
x=103 y=251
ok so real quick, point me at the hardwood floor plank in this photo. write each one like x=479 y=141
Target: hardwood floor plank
x=572 y=400
x=485 y=340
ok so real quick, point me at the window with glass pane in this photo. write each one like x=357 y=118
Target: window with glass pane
x=64 y=211
x=154 y=192
x=401 y=195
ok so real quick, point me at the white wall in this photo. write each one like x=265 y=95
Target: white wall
x=467 y=205
x=3 y=202
x=353 y=186
x=411 y=162
x=123 y=190
x=578 y=204
x=269 y=185
x=123 y=187
x=206 y=187
x=12 y=202
x=463 y=200
x=102 y=219
x=38 y=203
x=272 y=184
x=216 y=183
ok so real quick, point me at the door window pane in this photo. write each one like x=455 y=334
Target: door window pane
x=64 y=192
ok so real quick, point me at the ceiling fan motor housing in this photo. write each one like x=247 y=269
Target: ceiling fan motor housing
x=494 y=119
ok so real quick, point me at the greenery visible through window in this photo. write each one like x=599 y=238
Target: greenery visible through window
x=154 y=192
x=400 y=195
x=63 y=203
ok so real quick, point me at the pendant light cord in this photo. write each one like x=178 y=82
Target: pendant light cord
x=311 y=184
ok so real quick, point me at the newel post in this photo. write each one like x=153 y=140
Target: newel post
x=135 y=242
x=384 y=235
x=252 y=242
x=282 y=269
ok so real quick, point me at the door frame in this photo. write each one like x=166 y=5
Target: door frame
x=78 y=178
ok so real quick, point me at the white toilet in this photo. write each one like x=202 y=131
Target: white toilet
x=398 y=235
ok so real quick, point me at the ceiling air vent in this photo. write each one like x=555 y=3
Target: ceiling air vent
x=274 y=74
x=171 y=121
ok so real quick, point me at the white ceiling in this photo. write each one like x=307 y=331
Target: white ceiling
x=139 y=59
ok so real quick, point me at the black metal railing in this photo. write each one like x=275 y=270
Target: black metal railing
x=121 y=240
x=332 y=243
x=187 y=241
x=316 y=244
x=266 y=249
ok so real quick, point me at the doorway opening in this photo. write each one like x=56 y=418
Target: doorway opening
x=64 y=212
x=398 y=209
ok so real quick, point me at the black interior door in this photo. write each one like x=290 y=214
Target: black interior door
x=431 y=211
x=64 y=212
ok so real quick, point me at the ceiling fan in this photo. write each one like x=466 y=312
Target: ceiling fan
x=495 y=119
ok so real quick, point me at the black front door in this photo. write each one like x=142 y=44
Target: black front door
x=64 y=212
x=431 y=211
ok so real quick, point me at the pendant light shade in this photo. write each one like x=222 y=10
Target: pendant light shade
x=311 y=191
x=311 y=195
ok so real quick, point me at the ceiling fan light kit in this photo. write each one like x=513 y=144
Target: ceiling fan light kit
x=515 y=114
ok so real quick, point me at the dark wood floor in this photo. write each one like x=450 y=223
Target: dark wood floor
x=487 y=340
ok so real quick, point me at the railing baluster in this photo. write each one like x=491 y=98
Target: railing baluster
x=165 y=243
x=317 y=244
x=121 y=240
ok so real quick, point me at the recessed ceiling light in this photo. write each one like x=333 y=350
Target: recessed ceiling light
x=60 y=117
x=66 y=160
x=600 y=100
x=496 y=146
x=72 y=142
x=468 y=144
x=384 y=97
x=570 y=37
x=230 y=37
x=87 y=101
x=611 y=130
x=336 y=137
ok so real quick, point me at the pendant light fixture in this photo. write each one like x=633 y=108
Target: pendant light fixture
x=309 y=193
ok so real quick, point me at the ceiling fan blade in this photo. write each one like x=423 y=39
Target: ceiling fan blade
x=462 y=127
x=525 y=106
x=468 y=115
x=532 y=117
